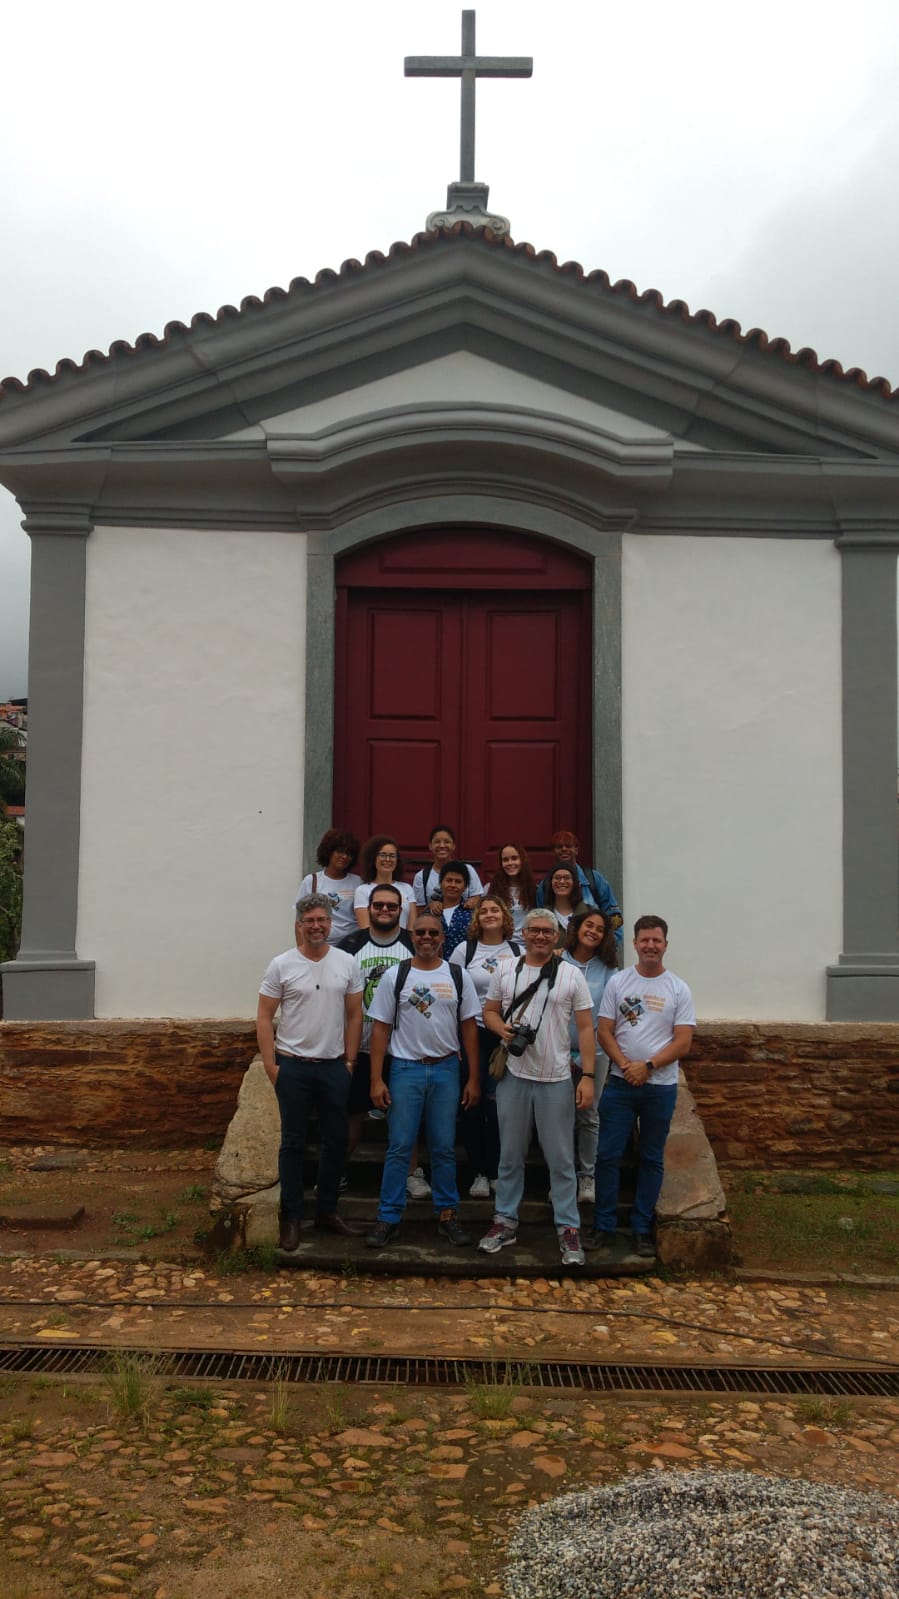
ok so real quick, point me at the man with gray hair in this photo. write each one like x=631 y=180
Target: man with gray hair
x=319 y=991
x=531 y=1003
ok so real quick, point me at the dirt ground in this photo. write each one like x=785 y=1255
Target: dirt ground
x=155 y=1202
x=338 y=1493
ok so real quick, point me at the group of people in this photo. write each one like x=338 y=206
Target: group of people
x=501 y=1005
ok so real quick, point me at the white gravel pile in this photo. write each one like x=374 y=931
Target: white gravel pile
x=708 y=1535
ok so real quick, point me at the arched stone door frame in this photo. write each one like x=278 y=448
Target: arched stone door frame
x=601 y=544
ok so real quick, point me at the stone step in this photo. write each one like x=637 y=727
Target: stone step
x=418 y=1250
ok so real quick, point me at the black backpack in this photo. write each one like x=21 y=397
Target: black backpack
x=471 y=945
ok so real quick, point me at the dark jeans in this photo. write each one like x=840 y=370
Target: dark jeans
x=301 y=1086
x=653 y=1105
x=479 y=1125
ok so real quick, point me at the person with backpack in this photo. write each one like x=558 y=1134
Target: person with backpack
x=426 y=888
x=531 y=1003
x=489 y=941
x=422 y=1010
x=595 y=888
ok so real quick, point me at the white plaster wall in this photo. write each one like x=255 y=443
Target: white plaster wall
x=193 y=765
x=732 y=765
x=452 y=380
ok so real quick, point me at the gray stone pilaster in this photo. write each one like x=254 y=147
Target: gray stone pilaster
x=47 y=981
x=318 y=784
x=864 y=985
x=608 y=822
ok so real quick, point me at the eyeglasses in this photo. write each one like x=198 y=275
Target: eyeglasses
x=427 y=932
x=385 y=905
x=540 y=932
x=386 y=855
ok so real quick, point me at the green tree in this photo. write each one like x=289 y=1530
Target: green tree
x=12 y=769
x=10 y=887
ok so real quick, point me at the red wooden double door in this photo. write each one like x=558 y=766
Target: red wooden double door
x=462 y=692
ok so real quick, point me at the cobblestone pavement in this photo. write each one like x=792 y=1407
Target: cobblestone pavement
x=633 y=1319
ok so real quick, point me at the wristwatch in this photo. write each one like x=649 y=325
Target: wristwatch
x=591 y=1075
x=650 y=1066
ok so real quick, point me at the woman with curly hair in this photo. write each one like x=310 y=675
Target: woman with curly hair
x=336 y=856
x=489 y=941
x=381 y=864
x=514 y=882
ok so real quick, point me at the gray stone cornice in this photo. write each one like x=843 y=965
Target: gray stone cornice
x=323 y=478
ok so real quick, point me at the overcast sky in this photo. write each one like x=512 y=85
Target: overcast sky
x=169 y=158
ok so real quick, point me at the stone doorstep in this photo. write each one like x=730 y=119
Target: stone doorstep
x=33 y=1217
x=419 y=1251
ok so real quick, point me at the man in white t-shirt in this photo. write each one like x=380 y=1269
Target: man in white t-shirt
x=540 y=993
x=319 y=991
x=420 y=1010
x=645 y=1026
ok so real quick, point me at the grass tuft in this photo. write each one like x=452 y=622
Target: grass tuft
x=491 y=1399
x=259 y=1257
x=133 y=1381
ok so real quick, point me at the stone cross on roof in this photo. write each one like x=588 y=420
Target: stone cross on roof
x=467 y=200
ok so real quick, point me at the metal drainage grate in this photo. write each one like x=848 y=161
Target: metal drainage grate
x=428 y=1371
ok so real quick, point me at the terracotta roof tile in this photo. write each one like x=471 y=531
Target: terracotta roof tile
x=597 y=279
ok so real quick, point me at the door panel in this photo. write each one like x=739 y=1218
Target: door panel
x=469 y=706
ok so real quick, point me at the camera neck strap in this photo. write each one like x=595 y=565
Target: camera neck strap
x=547 y=972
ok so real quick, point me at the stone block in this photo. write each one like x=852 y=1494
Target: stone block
x=258 y=1217
x=692 y=1188
x=695 y=1245
x=248 y=1161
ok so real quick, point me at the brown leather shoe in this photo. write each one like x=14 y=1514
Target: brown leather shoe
x=289 y=1234
x=335 y=1224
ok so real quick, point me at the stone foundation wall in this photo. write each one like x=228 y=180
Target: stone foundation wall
x=774 y=1095
x=769 y=1094
x=156 y=1084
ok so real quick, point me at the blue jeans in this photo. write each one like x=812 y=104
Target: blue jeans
x=480 y=1129
x=301 y=1086
x=520 y=1103
x=620 y=1107
x=434 y=1090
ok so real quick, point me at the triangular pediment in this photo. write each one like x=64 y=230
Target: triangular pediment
x=557 y=337
x=458 y=379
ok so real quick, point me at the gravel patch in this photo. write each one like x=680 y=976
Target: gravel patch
x=707 y=1535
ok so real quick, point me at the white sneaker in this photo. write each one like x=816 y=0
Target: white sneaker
x=586 y=1189
x=480 y=1188
x=417 y=1185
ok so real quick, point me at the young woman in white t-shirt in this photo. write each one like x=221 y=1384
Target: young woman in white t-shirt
x=563 y=896
x=489 y=941
x=336 y=856
x=381 y=864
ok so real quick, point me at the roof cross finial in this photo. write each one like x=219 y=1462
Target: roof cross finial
x=467 y=200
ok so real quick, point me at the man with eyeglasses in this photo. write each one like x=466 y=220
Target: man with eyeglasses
x=530 y=1005
x=375 y=949
x=319 y=993
x=421 y=1011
